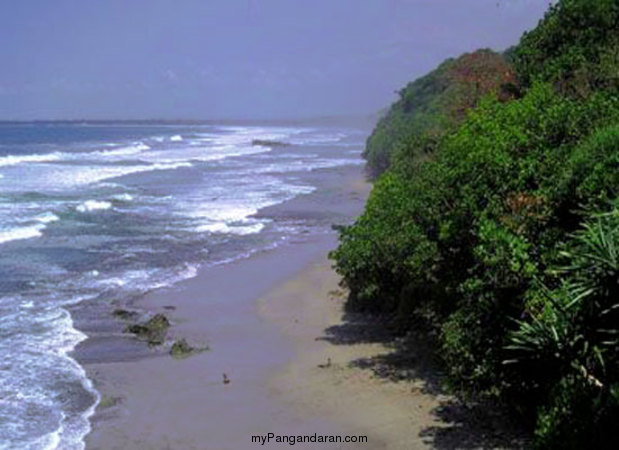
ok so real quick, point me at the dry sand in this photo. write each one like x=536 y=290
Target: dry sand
x=324 y=379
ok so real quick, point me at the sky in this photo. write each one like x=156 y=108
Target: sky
x=234 y=59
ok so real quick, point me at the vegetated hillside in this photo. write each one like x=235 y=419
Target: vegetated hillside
x=504 y=245
x=435 y=103
x=576 y=49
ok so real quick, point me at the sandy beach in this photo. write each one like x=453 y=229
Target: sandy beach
x=268 y=323
x=325 y=380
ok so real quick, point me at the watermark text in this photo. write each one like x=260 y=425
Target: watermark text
x=291 y=439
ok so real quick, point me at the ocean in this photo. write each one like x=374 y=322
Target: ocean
x=96 y=212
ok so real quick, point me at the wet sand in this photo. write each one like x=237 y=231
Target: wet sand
x=183 y=404
x=262 y=319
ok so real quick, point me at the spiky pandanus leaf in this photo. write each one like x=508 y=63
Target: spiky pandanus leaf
x=578 y=328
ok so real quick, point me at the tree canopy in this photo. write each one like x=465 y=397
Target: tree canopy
x=494 y=223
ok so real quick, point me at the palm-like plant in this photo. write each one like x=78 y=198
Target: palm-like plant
x=578 y=323
x=567 y=351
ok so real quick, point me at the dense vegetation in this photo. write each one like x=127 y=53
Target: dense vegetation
x=503 y=243
x=432 y=105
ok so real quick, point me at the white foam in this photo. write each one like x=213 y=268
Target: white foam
x=11 y=160
x=47 y=217
x=118 y=282
x=170 y=166
x=229 y=209
x=45 y=354
x=188 y=271
x=64 y=342
x=64 y=177
x=72 y=430
x=146 y=280
x=302 y=166
x=130 y=279
x=123 y=197
x=222 y=227
x=16 y=234
x=217 y=227
x=137 y=147
x=49 y=441
x=93 y=205
x=176 y=138
x=245 y=135
x=225 y=212
x=200 y=153
x=28 y=304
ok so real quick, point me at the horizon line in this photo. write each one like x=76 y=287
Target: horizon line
x=366 y=116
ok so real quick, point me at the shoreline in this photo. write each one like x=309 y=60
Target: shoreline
x=144 y=392
x=296 y=363
x=154 y=392
x=280 y=383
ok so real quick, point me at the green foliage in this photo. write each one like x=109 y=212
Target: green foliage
x=578 y=416
x=592 y=176
x=432 y=105
x=373 y=255
x=569 y=349
x=575 y=47
x=495 y=224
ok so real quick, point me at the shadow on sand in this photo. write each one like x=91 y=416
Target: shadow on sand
x=463 y=425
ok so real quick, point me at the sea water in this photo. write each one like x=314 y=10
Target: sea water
x=91 y=212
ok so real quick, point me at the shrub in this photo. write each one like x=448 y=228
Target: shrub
x=568 y=348
x=495 y=225
x=575 y=47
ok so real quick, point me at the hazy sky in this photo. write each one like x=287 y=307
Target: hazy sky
x=234 y=58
